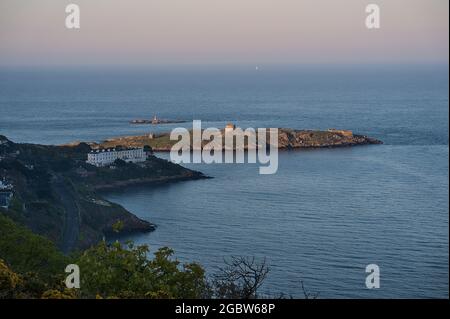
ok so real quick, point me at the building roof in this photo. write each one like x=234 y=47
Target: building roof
x=115 y=150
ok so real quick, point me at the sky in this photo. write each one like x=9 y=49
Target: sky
x=33 y=32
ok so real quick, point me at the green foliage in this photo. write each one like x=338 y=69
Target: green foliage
x=60 y=294
x=29 y=285
x=9 y=281
x=37 y=263
x=27 y=252
x=32 y=267
x=189 y=282
x=117 y=226
x=16 y=205
x=148 y=149
x=15 y=210
x=120 y=163
x=124 y=271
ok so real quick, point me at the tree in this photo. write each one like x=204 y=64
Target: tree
x=240 y=278
x=117 y=226
x=307 y=294
x=148 y=149
x=32 y=267
x=27 y=252
x=124 y=271
x=120 y=163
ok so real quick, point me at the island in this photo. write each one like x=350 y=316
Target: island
x=287 y=139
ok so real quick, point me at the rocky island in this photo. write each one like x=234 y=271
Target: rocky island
x=287 y=139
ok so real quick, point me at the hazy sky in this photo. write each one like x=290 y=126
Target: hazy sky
x=33 y=32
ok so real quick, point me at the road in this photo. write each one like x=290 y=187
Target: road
x=72 y=217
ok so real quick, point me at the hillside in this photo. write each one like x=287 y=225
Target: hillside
x=56 y=192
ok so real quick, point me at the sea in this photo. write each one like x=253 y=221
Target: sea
x=324 y=216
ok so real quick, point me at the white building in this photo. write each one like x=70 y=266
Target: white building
x=4 y=185
x=106 y=157
x=6 y=194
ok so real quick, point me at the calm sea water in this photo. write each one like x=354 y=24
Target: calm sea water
x=325 y=215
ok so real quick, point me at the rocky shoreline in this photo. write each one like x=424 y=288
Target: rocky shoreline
x=148 y=181
x=287 y=139
x=298 y=139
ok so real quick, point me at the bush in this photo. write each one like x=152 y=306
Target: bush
x=27 y=252
x=9 y=282
x=123 y=271
x=31 y=267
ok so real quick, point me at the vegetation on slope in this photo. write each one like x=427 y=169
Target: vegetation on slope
x=32 y=267
x=55 y=191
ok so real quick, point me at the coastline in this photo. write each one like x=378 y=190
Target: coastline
x=149 y=182
x=57 y=194
x=58 y=179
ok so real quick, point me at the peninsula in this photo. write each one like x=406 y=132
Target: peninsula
x=57 y=194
